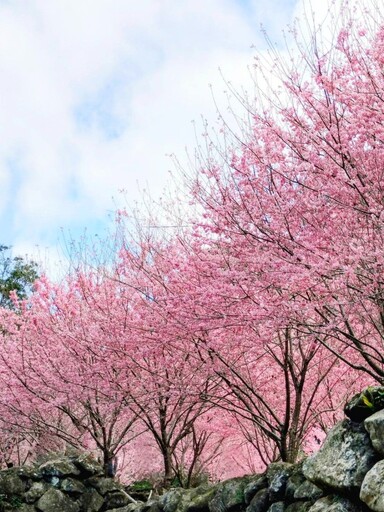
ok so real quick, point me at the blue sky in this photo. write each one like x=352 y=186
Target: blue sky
x=94 y=94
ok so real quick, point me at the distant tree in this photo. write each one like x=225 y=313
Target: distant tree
x=16 y=274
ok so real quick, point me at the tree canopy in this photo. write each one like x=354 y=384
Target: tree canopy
x=16 y=274
x=248 y=327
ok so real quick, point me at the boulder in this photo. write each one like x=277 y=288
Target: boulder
x=11 y=483
x=260 y=502
x=58 y=468
x=54 y=501
x=255 y=484
x=308 y=491
x=343 y=460
x=294 y=482
x=365 y=403
x=170 y=500
x=229 y=495
x=333 y=503
x=35 y=492
x=374 y=425
x=92 y=500
x=197 y=499
x=88 y=465
x=372 y=488
x=279 y=506
x=72 y=486
x=103 y=485
x=278 y=474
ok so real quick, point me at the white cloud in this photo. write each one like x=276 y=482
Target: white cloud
x=95 y=93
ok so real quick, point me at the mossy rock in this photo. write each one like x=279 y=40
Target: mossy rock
x=364 y=404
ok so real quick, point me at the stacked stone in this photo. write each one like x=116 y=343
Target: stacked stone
x=345 y=475
x=63 y=484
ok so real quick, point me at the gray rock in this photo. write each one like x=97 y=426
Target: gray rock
x=58 y=468
x=149 y=506
x=374 y=425
x=277 y=475
x=260 y=502
x=54 y=501
x=29 y=472
x=308 y=491
x=103 y=484
x=92 y=500
x=197 y=499
x=294 y=482
x=279 y=506
x=72 y=486
x=343 y=460
x=86 y=463
x=11 y=483
x=170 y=500
x=35 y=492
x=255 y=484
x=333 y=503
x=372 y=488
x=229 y=496
x=365 y=403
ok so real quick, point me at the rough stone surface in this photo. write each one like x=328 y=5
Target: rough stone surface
x=308 y=491
x=372 y=488
x=278 y=474
x=58 y=468
x=334 y=503
x=196 y=500
x=294 y=482
x=88 y=464
x=343 y=460
x=374 y=425
x=365 y=403
x=10 y=482
x=54 y=501
x=92 y=500
x=256 y=483
x=72 y=486
x=329 y=481
x=35 y=492
x=260 y=502
x=229 y=496
x=103 y=485
x=170 y=500
x=279 y=506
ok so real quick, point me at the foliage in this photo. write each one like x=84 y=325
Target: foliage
x=16 y=274
x=255 y=322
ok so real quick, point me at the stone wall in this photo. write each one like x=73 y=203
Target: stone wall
x=346 y=474
x=62 y=484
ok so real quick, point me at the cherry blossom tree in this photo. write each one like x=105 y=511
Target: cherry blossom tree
x=58 y=371
x=288 y=241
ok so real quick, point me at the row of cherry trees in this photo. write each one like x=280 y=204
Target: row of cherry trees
x=254 y=323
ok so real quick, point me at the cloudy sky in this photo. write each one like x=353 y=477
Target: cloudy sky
x=94 y=94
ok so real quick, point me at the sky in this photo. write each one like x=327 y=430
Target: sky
x=96 y=94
